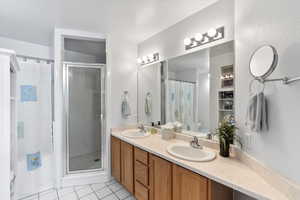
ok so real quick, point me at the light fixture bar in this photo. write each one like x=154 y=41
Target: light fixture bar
x=208 y=37
x=148 y=59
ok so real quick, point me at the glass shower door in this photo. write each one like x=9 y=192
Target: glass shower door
x=85 y=103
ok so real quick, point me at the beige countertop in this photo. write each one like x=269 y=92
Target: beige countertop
x=228 y=171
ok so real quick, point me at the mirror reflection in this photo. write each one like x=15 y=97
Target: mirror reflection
x=191 y=93
x=188 y=92
x=149 y=94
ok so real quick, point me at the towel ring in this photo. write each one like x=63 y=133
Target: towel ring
x=251 y=84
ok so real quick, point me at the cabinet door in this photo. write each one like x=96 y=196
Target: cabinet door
x=188 y=185
x=160 y=179
x=127 y=166
x=218 y=191
x=116 y=158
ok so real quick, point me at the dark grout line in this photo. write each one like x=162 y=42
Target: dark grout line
x=75 y=192
x=57 y=194
x=114 y=192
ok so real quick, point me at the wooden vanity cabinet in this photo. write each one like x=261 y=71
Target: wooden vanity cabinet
x=188 y=185
x=149 y=177
x=160 y=179
x=127 y=168
x=217 y=191
x=141 y=174
x=116 y=158
x=122 y=168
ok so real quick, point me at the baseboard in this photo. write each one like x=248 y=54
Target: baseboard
x=85 y=178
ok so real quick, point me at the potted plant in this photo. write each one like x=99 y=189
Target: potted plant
x=227 y=135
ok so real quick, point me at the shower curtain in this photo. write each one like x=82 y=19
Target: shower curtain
x=181 y=104
x=34 y=120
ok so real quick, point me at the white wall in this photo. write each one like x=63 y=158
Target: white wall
x=26 y=48
x=122 y=56
x=169 y=43
x=277 y=23
x=189 y=75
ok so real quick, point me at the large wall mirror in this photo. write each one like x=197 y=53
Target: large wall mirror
x=195 y=90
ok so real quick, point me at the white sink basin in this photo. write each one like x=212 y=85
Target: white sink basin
x=186 y=152
x=135 y=133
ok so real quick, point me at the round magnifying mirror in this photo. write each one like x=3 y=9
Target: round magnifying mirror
x=263 y=62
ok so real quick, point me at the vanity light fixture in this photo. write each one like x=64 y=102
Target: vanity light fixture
x=200 y=39
x=148 y=59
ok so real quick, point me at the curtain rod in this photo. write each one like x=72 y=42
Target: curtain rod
x=35 y=58
x=182 y=81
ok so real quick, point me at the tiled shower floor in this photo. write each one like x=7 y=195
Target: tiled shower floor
x=85 y=162
x=111 y=190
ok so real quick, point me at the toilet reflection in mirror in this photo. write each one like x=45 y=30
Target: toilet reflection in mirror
x=190 y=93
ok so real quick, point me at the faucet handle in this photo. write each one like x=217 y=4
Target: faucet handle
x=195 y=139
x=195 y=143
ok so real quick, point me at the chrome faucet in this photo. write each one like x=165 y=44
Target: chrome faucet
x=142 y=128
x=195 y=143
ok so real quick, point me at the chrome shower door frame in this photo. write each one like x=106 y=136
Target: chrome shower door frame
x=66 y=67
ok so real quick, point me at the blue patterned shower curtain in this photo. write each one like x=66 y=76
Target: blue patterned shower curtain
x=35 y=169
x=181 y=103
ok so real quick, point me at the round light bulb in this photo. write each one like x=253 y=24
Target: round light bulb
x=199 y=37
x=150 y=57
x=145 y=59
x=212 y=32
x=187 y=41
x=139 y=60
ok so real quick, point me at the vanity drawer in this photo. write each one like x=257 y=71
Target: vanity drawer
x=141 y=155
x=141 y=192
x=141 y=173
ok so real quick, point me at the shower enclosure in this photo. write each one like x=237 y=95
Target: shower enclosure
x=84 y=109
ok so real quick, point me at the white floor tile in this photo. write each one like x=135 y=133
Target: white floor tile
x=115 y=187
x=130 y=198
x=33 y=197
x=48 y=195
x=78 y=187
x=103 y=192
x=98 y=186
x=64 y=191
x=69 y=196
x=122 y=194
x=110 y=197
x=90 y=197
x=84 y=191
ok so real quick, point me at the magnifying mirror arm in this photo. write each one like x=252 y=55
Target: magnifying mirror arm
x=285 y=80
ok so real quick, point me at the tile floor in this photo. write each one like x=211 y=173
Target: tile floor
x=111 y=190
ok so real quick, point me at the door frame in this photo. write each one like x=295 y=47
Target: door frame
x=59 y=124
